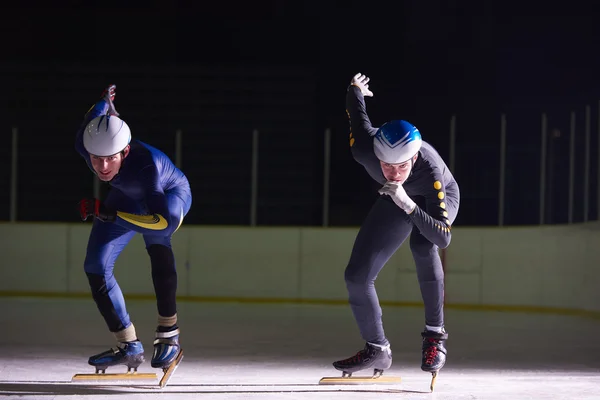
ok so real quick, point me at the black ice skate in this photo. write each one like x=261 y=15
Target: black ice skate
x=372 y=356
x=434 y=353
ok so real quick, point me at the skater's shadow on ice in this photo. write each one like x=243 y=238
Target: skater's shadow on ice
x=59 y=388
x=277 y=387
x=67 y=388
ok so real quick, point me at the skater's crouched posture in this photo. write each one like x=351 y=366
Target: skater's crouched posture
x=147 y=195
x=419 y=198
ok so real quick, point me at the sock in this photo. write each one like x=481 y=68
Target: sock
x=167 y=322
x=126 y=335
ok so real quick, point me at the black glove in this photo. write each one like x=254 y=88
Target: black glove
x=109 y=95
x=95 y=208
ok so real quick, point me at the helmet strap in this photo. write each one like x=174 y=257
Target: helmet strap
x=412 y=165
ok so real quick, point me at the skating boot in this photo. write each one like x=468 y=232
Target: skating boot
x=167 y=352
x=128 y=353
x=434 y=353
x=372 y=356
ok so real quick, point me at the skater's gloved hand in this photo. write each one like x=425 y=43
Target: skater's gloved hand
x=95 y=208
x=109 y=96
x=398 y=195
x=362 y=82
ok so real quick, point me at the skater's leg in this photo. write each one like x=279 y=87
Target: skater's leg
x=105 y=243
x=162 y=259
x=164 y=277
x=430 y=275
x=428 y=264
x=431 y=281
x=104 y=246
x=383 y=231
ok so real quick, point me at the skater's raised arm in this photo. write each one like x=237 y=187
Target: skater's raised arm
x=104 y=106
x=360 y=124
x=361 y=129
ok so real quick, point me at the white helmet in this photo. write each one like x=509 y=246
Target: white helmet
x=396 y=142
x=106 y=135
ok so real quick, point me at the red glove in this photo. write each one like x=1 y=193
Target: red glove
x=95 y=208
x=109 y=96
x=111 y=92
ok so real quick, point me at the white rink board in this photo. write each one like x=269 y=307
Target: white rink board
x=551 y=266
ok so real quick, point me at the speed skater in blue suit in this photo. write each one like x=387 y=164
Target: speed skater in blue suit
x=148 y=195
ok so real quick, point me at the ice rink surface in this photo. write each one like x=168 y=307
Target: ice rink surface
x=281 y=351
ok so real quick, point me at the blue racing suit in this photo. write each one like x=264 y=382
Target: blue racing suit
x=151 y=196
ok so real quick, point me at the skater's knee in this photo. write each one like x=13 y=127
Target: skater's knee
x=161 y=256
x=351 y=276
x=100 y=283
x=423 y=250
x=355 y=278
x=429 y=271
x=93 y=267
x=98 y=265
x=162 y=261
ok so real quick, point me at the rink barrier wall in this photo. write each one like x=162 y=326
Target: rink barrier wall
x=538 y=269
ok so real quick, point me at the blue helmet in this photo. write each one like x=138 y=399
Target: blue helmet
x=396 y=142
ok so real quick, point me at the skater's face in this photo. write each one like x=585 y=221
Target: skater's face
x=107 y=167
x=397 y=172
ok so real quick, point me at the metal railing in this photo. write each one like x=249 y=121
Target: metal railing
x=546 y=157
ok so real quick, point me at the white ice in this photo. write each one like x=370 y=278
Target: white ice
x=280 y=351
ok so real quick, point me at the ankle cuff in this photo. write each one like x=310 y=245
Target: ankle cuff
x=380 y=346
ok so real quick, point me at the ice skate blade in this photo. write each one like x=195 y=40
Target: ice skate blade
x=433 y=377
x=359 y=380
x=127 y=376
x=169 y=371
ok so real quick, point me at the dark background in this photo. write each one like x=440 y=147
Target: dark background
x=219 y=70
